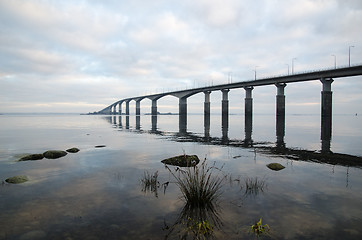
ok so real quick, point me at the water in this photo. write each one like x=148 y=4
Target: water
x=97 y=193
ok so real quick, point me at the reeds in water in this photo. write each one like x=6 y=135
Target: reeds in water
x=150 y=183
x=200 y=185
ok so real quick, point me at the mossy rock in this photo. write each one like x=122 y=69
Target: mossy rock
x=17 y=179
x=32 y=157
x=72 y=150
x=275 y=166
x=53 y=154
x=182 y=161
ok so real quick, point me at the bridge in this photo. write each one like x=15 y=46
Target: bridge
x=324 y=76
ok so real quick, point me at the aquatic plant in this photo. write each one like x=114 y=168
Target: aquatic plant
x=200 y=185
x=259 y=229
x=199 y=227
x=150 y=183
x=254 y=186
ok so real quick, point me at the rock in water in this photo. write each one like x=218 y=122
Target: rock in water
x=100 y=146
x=182 y=161
x=53 y=154
x=72 y=150
x=17 y=179
x=275 y=166
x=32 y=157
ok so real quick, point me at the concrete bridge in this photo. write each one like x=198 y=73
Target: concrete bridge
x=324 y=76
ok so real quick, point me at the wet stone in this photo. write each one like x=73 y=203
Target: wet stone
x=72 y=150
x=275 y=166
x=32 y=157
x=53 y=154
x=182 y=161
x=17 y=179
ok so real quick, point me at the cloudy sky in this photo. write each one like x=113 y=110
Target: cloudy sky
x=81 y=56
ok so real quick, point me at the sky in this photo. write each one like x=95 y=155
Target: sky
x=81 y=56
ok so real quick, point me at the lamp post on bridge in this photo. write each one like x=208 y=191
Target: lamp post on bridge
x=255 y=72
x=293 y=65
x=335 y=61
x=288 y=67
x=349 y=55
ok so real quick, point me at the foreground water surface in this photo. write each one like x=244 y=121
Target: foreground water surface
x=98 y=193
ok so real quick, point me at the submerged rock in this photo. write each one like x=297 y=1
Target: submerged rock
x=17 y=179
x=53 y=154
x=72 y=150
x=275 y=166
x=32 y=157
x=100 y=146
x=182 y=161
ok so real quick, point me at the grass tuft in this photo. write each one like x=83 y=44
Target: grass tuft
x=199 y=185
x=150 y=183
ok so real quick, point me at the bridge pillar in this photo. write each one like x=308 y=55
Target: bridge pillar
x=127 y=107
x=207 y=115
x=326 y=114
x=138 y=107
x=120 y=108
x=225 y=113
x=248 y=115
x=154 y=107
x=280 y=114
x=182 y=114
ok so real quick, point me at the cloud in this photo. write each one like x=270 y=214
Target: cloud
x=98 y=52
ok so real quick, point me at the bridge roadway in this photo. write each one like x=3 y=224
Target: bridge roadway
x=325 y=76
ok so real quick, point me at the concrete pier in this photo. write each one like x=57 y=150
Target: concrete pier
x=280 y=114
x=207 y=116
x=207 y=106
x=225 y=108
x=248 y=116
x=154 y=107
x=326 y=114
x=182 y=114
x=120 y=108
x=138 y=107
x=127 y=107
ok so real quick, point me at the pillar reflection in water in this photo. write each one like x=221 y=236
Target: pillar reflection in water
x=138 y=122
x=154 y=123
x=120 y=121
x=127 y=122
x=114 y=121
x=326 y=114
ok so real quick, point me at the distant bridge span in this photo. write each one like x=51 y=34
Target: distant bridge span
x=325 y=76
x=278 y=81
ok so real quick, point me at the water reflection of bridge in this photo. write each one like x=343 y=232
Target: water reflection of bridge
x=277 y=148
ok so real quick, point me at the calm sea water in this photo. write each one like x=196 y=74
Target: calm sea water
x=97 y=193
